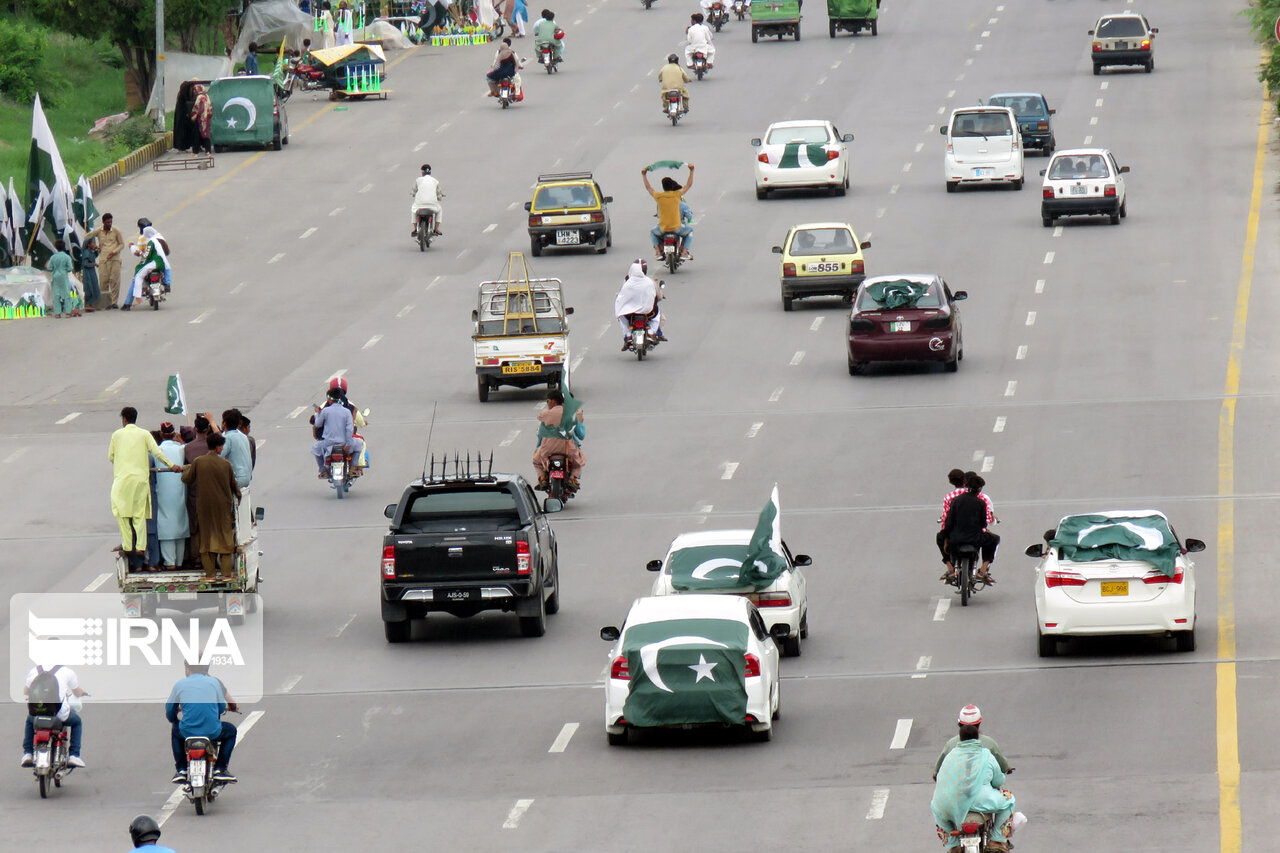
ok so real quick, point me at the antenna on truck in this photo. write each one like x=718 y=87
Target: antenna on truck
x=430 y=430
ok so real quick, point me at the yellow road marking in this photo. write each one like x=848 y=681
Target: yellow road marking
x=1230 y=833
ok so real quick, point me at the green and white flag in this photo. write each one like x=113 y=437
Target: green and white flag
x=175 y=397
x=797 y=154
x=897 y=294
x=1089 y=538
x=686 y=671
x=47 y=176
x=84 y=211
x=765 y=559
x=708 y=568
x=8 y=245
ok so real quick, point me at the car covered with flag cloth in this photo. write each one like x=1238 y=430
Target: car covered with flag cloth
x=685 y=661
x=806 y=154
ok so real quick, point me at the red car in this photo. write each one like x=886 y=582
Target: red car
x=905 y=318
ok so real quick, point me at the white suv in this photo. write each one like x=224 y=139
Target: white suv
x=984 y=146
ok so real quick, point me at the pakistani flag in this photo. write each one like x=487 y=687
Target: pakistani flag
x=686 y=671
x=37 y=242
x=765 y=559
x=708 y=568
x=175 y=397
x=84 y=214
x=1088 y=538
x=897 y=294
x=797 y=154
x=7 y=242
x=47 y=179
x=571 y=406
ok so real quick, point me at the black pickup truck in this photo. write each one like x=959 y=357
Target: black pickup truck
x=463 y=545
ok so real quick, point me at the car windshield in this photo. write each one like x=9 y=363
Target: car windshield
x=1068 y=167
x=1114 y=28
x=981 y=124
x=1022 y=107
x=879 y=296
x=822 y=241
x=815 y=134
x=564 y=198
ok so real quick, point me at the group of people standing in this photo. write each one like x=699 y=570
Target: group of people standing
x=100 y=263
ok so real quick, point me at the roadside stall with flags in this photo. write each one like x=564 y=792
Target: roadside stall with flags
x=354 y=71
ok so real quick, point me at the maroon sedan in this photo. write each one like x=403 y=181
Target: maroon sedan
x=905 y=318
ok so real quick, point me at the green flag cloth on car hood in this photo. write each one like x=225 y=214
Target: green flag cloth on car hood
x=686 y=671
x=765 y=559
x=708 y=568
x=897 y=294
x=1088 y=538
x=797 y=154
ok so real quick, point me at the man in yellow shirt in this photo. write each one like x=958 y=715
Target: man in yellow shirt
x=672 y=76
x=131 y=447
x=669 y=220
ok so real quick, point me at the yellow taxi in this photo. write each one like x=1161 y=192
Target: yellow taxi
x=568 y=211
x=821 y=259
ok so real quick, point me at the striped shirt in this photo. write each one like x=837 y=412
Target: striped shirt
x=952 y=495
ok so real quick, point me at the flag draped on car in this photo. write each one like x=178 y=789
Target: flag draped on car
x=797 y=154
x=49 y=193
x=765 y=558
x=686 y=671
x=708 y=568
x=1089 y=538
x=897 y=294
x=175 y=398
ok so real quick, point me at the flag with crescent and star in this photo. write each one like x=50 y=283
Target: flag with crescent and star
x=175 y=398
x=765 y=559
x=686 y=671
x=708 y=568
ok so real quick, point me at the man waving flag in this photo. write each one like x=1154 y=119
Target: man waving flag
x=765 y=559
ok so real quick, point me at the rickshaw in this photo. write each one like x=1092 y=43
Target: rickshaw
x=775 y=18
x=852 y=16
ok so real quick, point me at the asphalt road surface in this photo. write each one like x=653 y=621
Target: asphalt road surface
x=1105 y=367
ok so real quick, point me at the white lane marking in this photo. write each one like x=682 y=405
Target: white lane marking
x=919 y=147
x=512 y=206
x=200 y=319
x=977 y=455
x=1057 y=230
x=297 y=412
x=822 y=79
x=600 y=121
x=816 y=324
x=988 y=462
x=1011 y=388
x=443 y=127
x=405 y=310
x=1021 y=353
x=517 y=812
x=577 y=22
x=338 y=374
x=977 y=47
x=393 y=169
x=986 y=34
x=562 y=739
x=835 y=65
x=881 y=211
x=755 y=429
x=116 y=386
x=1039 y=285
x=345 y=625
x=1088 y=140
x=1093 y=120
x=577 y=360
x=893 y=190
x=435 y=280
x=951 y=94
x=940 y=613
x=991 y=20
x=14 y=455
x=928 y=131
x=366 y=188
x=1104 y=85
x=258 y=443
x=906 y=167
x=960 y=77
x=776 y=395
x=922 y=666
x=729 y=469
x=999 y=8
x=290 y=683
x=704 y=511
x=636 y=86
x=510 y=439
x=1000 y=422
x=305 y=234
x=65 y=420
x=1098 y=102
x=1031 y=318
x=901 y=732
x=98 y=581
x=1048 y=257
x=879 y=799
x=463 y=254
x=607 y=327
x=239 y=287
x=489 y=227
x=371 y=342
x=277 y=256
x=942 y=111
x=336 y=211
x=797 y=358
x=969 y=61
x=420 y=146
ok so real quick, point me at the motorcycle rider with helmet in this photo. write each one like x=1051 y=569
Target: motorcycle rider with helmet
x=970 y=780
x=672 y=76
x=145 y=832
x=426 y=196
x=970 y=715
x=334 y=426
x=639 y=294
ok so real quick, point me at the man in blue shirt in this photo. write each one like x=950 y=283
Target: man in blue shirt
x=334 y=427
x=145 y=832
x=237 y=451
x=202 y=700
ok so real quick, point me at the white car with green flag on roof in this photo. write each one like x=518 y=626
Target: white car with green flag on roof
x=757 y=565
x=685 y=661
x=1117 y=572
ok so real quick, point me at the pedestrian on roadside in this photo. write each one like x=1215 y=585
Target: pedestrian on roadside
x=519 y=17
x=60 y=264
x=215 y=508
x=129 y=453
x=251 y=59
x=202 y=115
x=111 y=244
x=89 y=274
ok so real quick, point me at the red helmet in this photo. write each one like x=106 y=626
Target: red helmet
x=558 y=34
x=338 y=383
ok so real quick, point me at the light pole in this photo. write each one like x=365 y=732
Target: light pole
x=159 y=84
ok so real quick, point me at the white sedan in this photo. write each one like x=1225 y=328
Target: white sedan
x=802 y=154
x=708 y=562
x=1119 y=572
x=691 y=660
x=1083 y=182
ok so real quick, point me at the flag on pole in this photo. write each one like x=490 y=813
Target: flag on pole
x=6 y=230
x=176 y=398
x=35 y=234
x=47 y=176
x=83 y=208
x=765 y=559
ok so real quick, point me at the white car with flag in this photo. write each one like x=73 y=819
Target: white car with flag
x=802 y=154
x=1117 y=572
x=681 y=661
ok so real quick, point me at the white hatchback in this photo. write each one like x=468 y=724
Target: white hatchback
x=1118 y=572
x=802 y=154
x=1083 y=182
x=984 y=146
x=708 y=562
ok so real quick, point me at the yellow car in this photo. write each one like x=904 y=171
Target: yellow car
x=821 y=259
x=568 y=211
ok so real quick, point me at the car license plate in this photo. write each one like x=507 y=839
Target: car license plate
x=830 y=266
x=457 y=594
x=1122 y=45
x=1115 y=588
x=522 y=367
x=1079 y=189
x=181 y=596
x=900 y=326
x=567 y=237
x=983 y=173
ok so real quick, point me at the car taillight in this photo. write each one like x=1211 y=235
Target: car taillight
x=938 y=322
x=1047 y=192
x=1109 y=191
x=833 y=155
x=763 y=158
x=492 y=361
x=535 y=220
x=1052 y=579
x=771 y=599
x=856 y=266
x=620 y=670
x=1097 y=46
x=388 y=561
x=597 y=217
x=753 y=666
x=859 y=324
x=950 y=150
x=1161 y=577
x=1042 y=125
x=551 y=358
x=522 y=558
x=1146 y=44
x=788 y=270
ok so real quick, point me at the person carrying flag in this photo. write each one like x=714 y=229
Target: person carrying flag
x=560 y=431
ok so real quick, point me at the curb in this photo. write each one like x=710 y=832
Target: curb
x=131 y=162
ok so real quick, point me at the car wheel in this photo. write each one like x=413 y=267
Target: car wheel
x=617 y=738
x=951 y=186
x=397 y=632
x=1115 y=218
x=1123 y=211
x=1097 y=69
x=840 y=189
x=762 y=193
x=788 y=303
x=857 y=368
x=777 y=709
x=602 y=246
x=1017 y=185
x=875 y=29
x=536 y=625
x=755 y=35
x=846 y=180
x=1185 y=641
x=1151 y=65
x=791 y=647
x=553 y=600
x=1048 y=646
x=831 y=28
x=764 y=736
x=535 y=248
x=1046 y=221
x=482 y=389
x=953 y=365
x=608 y=237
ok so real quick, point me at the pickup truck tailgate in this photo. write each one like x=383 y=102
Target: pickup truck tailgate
x=462 y=556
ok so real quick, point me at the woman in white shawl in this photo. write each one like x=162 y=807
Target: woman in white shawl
x=639 y=295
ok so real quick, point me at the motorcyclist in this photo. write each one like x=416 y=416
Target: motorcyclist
x=334 y=426
x=970 y=780
x=195 y=707
x=145 y=832
x=672 y=76
x=956 y=478
x=555 y=439
x=639 y=294
x=970 y=715
x=505 y=65
x=966 y=524
x=357 y=417
x=68 y=701
x=152 y=256
x=426 y=196
x=698 y=38
x=164 y=244
x=669 y=218
x=547 y=31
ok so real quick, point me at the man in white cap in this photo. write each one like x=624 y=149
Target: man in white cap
x=970 y=715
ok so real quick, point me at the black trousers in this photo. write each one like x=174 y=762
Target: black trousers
x=987 y=544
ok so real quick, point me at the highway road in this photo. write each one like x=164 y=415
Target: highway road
x=1105 y=367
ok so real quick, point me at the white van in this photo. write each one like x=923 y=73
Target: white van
x=984 y=146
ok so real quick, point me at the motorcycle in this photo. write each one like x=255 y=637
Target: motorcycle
x=674 y=106
x=641 y=340
x=201 y=788
x=740 y=9
x=719 y=15
x=558 y=477
x=670 y=245
x=547 y=58
x=974 y=832
x=506 y=93
x=700 y=66
x=426 y=228
x=153 y=289
x=648 y=4
x=300 y=76
x=52 y=745
x=966 y=578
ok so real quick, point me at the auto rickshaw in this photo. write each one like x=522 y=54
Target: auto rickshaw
x=852 y=16
x=775 y=18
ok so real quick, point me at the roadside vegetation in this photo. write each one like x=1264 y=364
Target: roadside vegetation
x=1262 y=16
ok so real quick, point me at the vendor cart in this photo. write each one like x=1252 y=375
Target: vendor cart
x=852 y=16
x=775 y=18
x=353 y=71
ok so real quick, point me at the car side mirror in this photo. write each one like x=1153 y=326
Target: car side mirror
x=1036 y=550
x=865 y=244
x=389 y=510
x=1124 y=170
x=755 y=143
x=848 y=137
x=777 y=250
x=654 y=565
x=1053 y=112
x=1194 y=546
x=959 y=296
x=780 y=631
x=568 y=311
x=475 y=315
x=608 y=199
x=1155 y=30
x=1090 y=32
x=803 y=560
x=610 y=634
x=942 y=130
x=259 y=513
x=552 y=505
x=528 y=205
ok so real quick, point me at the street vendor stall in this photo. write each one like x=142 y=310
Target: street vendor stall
x=355 y=71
